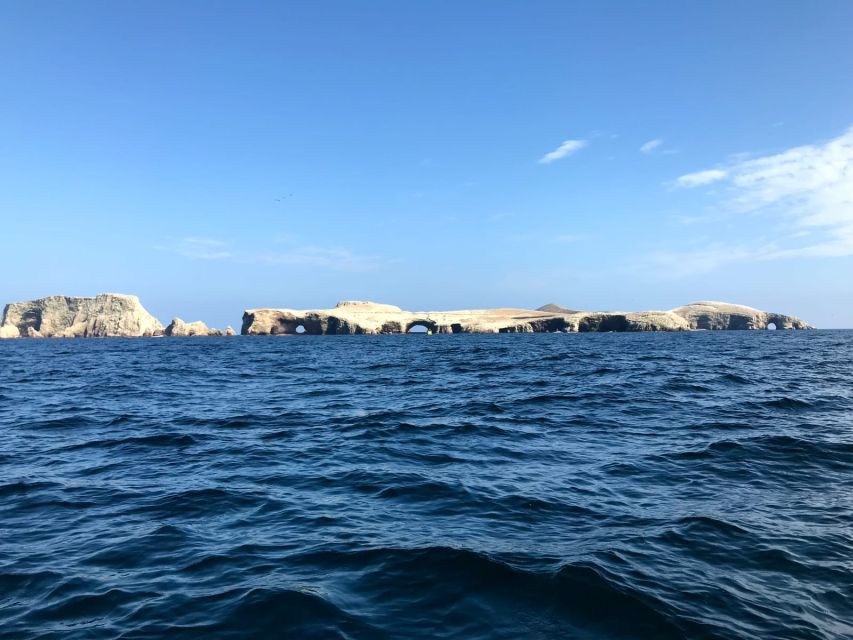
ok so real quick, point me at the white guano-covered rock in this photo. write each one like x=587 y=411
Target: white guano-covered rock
x=179 y=328
x=105 y=315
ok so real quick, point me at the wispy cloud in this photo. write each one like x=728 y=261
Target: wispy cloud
x=327 y=258
x=198 y=248
x=807 y=190
x=651 y=145
x=676 y=264
x=700 y=178
x=566 y=149
x=334 y=258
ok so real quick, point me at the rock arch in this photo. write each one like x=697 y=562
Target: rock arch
x=428 y=325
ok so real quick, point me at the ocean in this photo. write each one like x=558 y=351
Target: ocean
x=649 y=485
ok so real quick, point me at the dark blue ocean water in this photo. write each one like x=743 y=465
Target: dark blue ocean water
x=695 y=485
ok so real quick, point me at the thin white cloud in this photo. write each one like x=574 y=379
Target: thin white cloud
x=651 y=145
x=700 y=178
x=336 y=259
x=807 y=191
x=198 y=248
x=567 y=148
x=677 y=264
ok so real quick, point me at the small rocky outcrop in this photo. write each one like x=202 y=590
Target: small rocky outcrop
x=358 y=317
x=179 y=328
x=229 y=331
x=105 y=315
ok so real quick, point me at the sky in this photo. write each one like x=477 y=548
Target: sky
x=211 y=157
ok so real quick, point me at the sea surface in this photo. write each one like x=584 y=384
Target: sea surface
x=690 y=485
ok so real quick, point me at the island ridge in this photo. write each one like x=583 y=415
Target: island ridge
x=120 y=315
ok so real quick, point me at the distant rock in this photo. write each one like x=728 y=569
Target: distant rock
x=555 y=308
x=105 y=315
x=360 y=317
x=179 y=328
x=723 y=315
x=229 y=331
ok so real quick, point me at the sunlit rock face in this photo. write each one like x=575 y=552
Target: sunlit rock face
x=357 y=317
x=179 y=328
x=722 y=315
x=9 y=331
x=105 y=315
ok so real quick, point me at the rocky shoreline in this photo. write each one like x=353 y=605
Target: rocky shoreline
x=119 y=315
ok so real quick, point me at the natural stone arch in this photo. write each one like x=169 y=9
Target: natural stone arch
x=292 y=326
x=428 y=325
x=771 y=326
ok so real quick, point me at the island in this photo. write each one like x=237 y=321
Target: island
x=120 y=315
x=363 y=317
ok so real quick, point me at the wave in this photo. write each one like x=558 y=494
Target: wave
x=468 y=487
x=570 y=600
x=158 y=440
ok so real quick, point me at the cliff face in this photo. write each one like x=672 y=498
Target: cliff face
x=370 y=318
x=355 y=317
x=105 y=315
x=119 y=315
x=722 y=315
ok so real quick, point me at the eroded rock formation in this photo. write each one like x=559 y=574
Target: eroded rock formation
x=120 y=315
x=722 y=315
x=355 y=317
x=179 y=328
x=105 y=315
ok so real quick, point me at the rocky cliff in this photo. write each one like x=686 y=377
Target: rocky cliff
x=119 y=315
x=107 y=314
x=355 y=317
x=722 y=315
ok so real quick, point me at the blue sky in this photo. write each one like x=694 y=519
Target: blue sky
x=211 y=157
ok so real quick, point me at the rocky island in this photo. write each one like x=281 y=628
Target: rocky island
x=357 y=317
x=105 y=315
x=119 y=315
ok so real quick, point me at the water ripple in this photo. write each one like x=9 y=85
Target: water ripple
x=695 y=485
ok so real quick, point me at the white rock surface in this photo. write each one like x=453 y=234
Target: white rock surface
x=9 y=331
x=723 y=315
x=355 y=317
x=107 y=314
x=179 y=328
